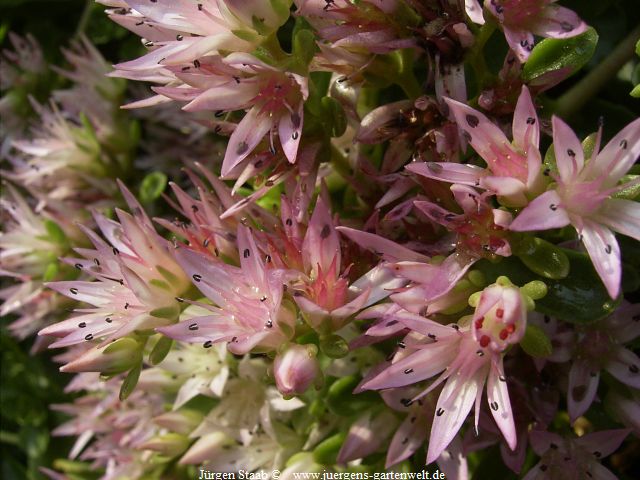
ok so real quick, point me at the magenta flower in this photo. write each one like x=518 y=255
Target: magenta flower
x=247 y=311
x=468 y=357
x=136 y=281
x=513 y=167
x=601 y=348
x=582 y=197
x=576 y=455
x=178 y=33
x=367 y=25
x=521 y=19
x=240 y=81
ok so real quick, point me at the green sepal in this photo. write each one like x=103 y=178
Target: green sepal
x=152 y=186
x=303 y=49
x=326 y=452
x=535 y=342
x=130 y=382
x=171 y=312
x=160 y=350
x=51 y=272
x=55 y=234
x=334 y=346
x=334 y=117
x=632 y=192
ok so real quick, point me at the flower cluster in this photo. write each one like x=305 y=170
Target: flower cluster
x=358 y=245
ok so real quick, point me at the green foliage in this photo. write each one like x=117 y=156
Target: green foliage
x=29 y=384
x=566 y=55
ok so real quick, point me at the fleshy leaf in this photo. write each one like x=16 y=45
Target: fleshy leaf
x=560 y=54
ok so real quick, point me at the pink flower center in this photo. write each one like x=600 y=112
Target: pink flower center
x=493 y=328
x=521 y=13
x=479 y=235
x=279 y=93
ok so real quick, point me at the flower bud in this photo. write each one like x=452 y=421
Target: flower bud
x=295 y=369
x=500 y=318
x=116 y=357
x=169 y=444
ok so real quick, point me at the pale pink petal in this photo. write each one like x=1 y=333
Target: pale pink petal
x=558 y=22
x=290 y=132
x=485 y=137
x=449 y=172
x=407 y=439
x=453 y=462
x=474 y=11
x=567 y=149
x=418 y=366
x=541 y=441
x=377 y=283
x=450 y=81
x=454 y=404
x=505 y=186
x=390 y=250
x=245 y=138
x=618 y=156
x=543 y=213
x=603 y=248
x=620 y=215
x=147 y=102
x=625 y=366
x=436 y=213
x=520 y=41
x=582 y=388
x=181 y=15
x=526 y=130
x=251 y=260
x=500 y=404
x=321 y=244
x=604 y=442
x=229 y=96
x=599 y=472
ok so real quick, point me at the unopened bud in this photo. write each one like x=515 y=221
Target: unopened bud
x=116 y=357
x=500 y=318
x=296 y=369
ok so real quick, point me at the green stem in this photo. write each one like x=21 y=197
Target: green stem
x=476 y=54
x=569 y=103
x=84 y=18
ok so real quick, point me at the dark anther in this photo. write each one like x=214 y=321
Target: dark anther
x=242 y=148
x=472 y=120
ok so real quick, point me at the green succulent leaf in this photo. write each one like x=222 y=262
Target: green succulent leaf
x=566 y=55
